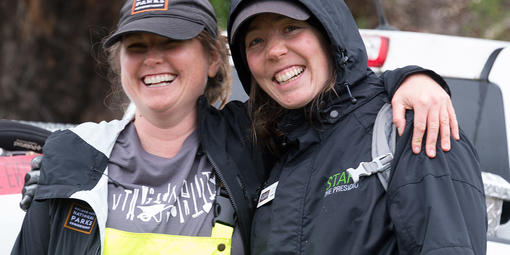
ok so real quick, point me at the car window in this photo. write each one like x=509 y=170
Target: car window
x=479 y=108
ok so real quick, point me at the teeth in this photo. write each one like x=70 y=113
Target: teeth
x=155 y=79
x=289 y=74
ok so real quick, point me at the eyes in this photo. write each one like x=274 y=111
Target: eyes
x=256 y=37
x=254 y=42
x=290 y=28
x=139 y=45
x=135 y=46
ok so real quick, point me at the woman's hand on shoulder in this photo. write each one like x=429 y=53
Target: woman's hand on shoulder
x=433 y=111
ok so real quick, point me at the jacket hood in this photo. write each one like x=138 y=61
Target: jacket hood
x=349 y=54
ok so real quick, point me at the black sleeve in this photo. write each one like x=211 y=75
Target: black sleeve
x=35 y=231
x=437 y=205
x=393 y=79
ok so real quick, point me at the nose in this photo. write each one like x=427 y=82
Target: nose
x=276 y=48
x=153 y=56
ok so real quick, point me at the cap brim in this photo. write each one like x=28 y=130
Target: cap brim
x=284 y=8
x=174 y=28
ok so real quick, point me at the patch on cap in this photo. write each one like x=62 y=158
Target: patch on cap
x=149 y=5
x=81 y=218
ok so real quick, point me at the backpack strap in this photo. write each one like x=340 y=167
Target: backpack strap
x=383 y=145
x=384 y=138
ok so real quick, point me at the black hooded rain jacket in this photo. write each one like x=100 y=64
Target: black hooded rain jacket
x=432 y=206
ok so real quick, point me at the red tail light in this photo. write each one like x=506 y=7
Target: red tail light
x=377 y=49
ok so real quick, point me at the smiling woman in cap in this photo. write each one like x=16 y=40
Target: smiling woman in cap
x=154 y=182
x=167 y=180
x=314 y=102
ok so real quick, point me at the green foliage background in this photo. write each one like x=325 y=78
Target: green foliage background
x=492 y=19
x=221 y=7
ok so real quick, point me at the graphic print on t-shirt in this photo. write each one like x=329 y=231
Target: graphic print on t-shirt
x=180 y=200
x=152 y=194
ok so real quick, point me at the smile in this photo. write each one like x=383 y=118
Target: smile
x=158 y=80
x=289 y=74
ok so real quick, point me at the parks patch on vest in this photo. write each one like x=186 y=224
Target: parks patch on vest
x=149 y=5
x=80 y=218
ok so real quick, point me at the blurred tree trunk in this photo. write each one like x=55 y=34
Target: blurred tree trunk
x=48 y=71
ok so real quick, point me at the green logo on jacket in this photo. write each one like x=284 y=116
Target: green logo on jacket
x=339 y=182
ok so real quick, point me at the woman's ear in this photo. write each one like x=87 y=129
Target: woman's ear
x=214 y=61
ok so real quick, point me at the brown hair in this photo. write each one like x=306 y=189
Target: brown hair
x=217 y=88
x=266 y=113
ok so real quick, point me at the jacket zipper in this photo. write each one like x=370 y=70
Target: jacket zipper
x=219 y=174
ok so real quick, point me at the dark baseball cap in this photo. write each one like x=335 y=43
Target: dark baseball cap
x=176 y=19
x=290 y=9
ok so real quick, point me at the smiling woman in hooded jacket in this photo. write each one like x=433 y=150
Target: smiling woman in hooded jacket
x=313 y=103
x=149 y=183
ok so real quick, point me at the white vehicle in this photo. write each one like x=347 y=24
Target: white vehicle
x=19 y=143
x=477 y=71
x=478 y=74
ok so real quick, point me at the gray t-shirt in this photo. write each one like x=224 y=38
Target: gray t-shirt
x=161 y=195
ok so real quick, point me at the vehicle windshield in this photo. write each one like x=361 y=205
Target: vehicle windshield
x=479 y=109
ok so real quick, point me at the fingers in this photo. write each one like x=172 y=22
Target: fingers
x=439 y=120
x=454 y=124
x=28 y=193
x=399 y=119
x=420 y=122
x=36 y=162
x=434 y=112
x=25 y=203
x=445 y=129
x=432 y=131
x=31 y=180
x=29 y=190
x=32 y=177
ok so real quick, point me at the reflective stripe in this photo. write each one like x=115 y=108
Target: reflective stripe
x=122 y=242
x=222 y=231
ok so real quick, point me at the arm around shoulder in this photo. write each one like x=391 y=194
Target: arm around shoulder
x=394 y=78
